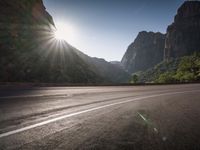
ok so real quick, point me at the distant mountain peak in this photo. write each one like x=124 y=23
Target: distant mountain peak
x=146 y=51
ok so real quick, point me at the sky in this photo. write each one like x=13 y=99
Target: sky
x=105 y=28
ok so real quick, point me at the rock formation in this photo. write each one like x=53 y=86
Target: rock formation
x=30 y=53
x=145 y=52
x=183 y=36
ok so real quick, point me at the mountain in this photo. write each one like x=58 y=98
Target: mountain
x=145 y=52
x=116 y=63
x=181 y=61
x=183 y=35
x=111 y=72
x=29 y=51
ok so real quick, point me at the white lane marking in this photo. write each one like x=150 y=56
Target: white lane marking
x=85 y=111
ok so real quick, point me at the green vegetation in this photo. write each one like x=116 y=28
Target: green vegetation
x=134 y=78
x=167 y=77
x=184 y=69
x=189 y=69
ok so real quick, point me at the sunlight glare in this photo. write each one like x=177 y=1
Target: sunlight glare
x=64 y=32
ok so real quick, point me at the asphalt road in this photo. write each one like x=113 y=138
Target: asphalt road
x=130 y=117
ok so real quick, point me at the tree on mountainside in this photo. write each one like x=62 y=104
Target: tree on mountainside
x=134 y=78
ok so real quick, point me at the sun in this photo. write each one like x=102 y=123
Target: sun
x=59 y=35
x=64 y=32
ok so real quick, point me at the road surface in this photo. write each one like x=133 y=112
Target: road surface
x=107 y=118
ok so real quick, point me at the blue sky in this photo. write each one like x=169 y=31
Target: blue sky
x=105 y=28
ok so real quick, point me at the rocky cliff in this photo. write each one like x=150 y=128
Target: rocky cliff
x=145 y=52
x=183 y=35
x=30 y=53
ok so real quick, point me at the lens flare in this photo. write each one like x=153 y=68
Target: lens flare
x=64 y=32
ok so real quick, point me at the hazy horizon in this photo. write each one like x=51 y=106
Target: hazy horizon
x=104 y=29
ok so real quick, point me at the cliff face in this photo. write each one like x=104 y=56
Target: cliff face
x=183 y=36
x=145 y=52
x=23 y=20
x=29 y=51
x=23 y=11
